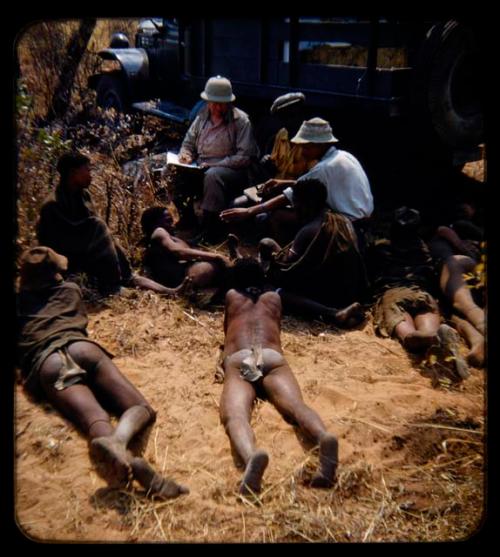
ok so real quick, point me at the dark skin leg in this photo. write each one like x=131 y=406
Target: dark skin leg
x=348 y=317
x=235 y=411
x=108 y=445
x=233 y=243
x=474 y=339
x=419 y=333
x=284 y=392
x=79 y=404
x=253 y=320
x=155 y=484
x=456 y=290
x=146 y=283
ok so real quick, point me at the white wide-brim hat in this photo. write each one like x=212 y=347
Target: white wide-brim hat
x=315 y=130
x=218 y=89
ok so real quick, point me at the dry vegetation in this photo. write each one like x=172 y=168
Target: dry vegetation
x=411 y=454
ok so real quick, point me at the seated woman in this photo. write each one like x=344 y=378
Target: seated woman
x=77 y=376
x=169 y=260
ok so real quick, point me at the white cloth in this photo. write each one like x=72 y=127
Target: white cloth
x=347 y=185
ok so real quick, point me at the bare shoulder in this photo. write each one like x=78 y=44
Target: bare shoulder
x=271 y=298
x=232 y=295
x=159 y=234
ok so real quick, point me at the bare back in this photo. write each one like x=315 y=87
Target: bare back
x=248 y=323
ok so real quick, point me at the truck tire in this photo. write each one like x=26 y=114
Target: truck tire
x=448 y=85
x=111 y=93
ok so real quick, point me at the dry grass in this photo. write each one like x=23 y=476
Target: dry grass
x=431 y=490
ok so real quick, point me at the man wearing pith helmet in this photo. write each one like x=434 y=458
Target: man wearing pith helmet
x=347 y=185
x=221 y=140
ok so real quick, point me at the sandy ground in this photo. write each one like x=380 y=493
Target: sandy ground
x=411 y=449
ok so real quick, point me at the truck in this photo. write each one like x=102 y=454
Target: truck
x=394 y=89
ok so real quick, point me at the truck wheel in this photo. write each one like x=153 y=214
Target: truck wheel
x=448 y=84
x=111 y=93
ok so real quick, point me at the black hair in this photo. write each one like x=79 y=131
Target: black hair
x=150 y=218
x=247 y=272
x=310 y=192
x=405 y=225
x=69 y=161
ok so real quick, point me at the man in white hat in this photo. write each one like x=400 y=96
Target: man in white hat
x=348 y=188
x=221 y=140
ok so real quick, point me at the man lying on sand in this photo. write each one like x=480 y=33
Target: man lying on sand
x=75 y=374
x=254 y=365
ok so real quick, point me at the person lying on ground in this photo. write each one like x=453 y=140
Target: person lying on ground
x=68 y=224
x=457 y=249
x=254 y=365
x=404 y=283
x=60 y=363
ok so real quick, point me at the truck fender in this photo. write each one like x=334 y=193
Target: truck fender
x=133 y=61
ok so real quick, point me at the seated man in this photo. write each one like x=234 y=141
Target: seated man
x=348 y=188
x=75 y=374
x=403 y=276
x=282 y=159
x=221 y=140
x=70 y=226
x=323 y=268
x=171 y=260
x=254 y=361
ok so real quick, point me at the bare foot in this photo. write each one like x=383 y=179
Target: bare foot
x=350 y=317
x=450 y=342
x=113 y=458
x=328 y=459
x=418 y=341
x=153 y=482
x=254 y=471
x=475 y=357
x=233 y=243
x=186 y=287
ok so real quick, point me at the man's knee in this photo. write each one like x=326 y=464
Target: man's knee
x=231 y=419
x=213 y=176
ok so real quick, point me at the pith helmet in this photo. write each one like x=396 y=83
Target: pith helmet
x=218 y=89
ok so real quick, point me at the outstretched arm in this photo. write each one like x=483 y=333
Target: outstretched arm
x=182 y=251
x=244 y=213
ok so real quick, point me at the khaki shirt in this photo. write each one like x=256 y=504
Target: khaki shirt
x=230 y=143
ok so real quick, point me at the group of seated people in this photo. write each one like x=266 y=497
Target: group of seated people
x=324 y=271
